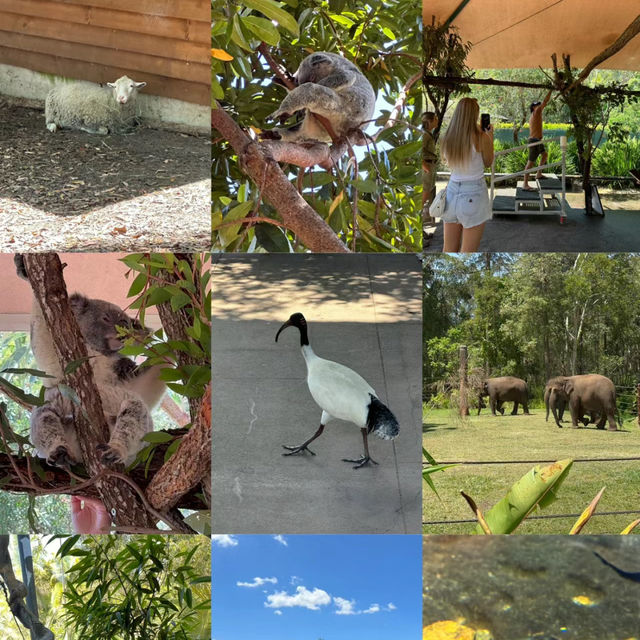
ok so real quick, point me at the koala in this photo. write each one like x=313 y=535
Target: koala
x=331 y=86
x=128 y=392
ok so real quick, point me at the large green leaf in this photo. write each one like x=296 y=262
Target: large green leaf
x=273 y=11
x=537 y=488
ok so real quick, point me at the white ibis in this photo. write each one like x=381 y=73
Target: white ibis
x=341 y=394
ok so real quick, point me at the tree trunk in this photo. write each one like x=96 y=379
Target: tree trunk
x=17 y=593
x=188 y=466
x=119 y=498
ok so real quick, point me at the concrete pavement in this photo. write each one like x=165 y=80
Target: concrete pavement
x=363 y=311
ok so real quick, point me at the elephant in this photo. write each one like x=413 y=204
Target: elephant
x=557 y=400
x=505 y=389
x=588 y=393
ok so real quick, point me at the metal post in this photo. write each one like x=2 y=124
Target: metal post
x=464 y=382
x=563 y=148
x=26 y=566
x=638 y=402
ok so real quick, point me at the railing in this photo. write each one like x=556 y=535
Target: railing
x=561 y=163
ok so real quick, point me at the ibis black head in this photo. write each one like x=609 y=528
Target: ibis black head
x=296 y=320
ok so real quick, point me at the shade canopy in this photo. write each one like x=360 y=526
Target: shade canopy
x=524 y=34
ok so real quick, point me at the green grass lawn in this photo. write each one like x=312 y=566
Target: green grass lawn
x=447 y=437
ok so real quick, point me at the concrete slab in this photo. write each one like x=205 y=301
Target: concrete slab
x=618 y=230
x=363 y=311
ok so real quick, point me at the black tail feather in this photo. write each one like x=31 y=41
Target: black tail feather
x=381 y=421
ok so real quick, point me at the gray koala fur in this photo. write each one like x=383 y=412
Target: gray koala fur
x=332 y=87
x=128 y=392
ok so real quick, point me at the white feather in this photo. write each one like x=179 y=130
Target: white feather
x=339 y=391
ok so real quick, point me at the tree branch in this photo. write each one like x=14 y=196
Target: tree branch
x=17 y=594
x=188 y=466
x=399 y=103
x=455 y=80
x=45 y=275
x=623 y=39
x=264 y=170
x=18 y=476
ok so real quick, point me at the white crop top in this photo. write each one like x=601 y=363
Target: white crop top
x=473 y=170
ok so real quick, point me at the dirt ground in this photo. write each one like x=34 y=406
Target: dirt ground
x=75 y=191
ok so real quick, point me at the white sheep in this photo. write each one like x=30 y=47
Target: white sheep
x=93 y=108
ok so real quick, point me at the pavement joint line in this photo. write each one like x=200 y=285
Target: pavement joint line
x=386 y=394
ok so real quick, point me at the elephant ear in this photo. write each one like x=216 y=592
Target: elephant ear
x=568 y=386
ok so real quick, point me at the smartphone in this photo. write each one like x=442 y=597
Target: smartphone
x=485 y=121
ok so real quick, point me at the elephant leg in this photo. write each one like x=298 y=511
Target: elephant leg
x=525 y=407
x=515 y=408
x=576 y=413
x=612 y=421
x=492 y=403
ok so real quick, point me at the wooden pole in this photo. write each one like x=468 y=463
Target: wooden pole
x=638 y=402
x=454 y=80
x=464 y=382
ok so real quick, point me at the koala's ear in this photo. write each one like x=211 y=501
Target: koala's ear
x=79 y=303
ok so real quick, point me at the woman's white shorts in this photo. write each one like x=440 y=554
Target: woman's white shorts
x=467 y=203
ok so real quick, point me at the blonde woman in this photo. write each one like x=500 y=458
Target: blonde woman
x=468 y=150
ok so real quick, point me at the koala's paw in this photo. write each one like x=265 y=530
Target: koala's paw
x=60 y=457
x=110 y=454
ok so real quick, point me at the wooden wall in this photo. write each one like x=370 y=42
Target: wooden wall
x=165 y=43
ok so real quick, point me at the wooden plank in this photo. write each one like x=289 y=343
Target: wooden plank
x=110 y=38
x=177 y=28
x=190 y=9
x=156 y=85
x=164 y=67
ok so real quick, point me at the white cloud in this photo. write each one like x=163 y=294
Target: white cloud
x=301 y=598
x=257 y=582
x=281 y=539
x=278 y=612
x=295 y=580
x=224 y=540
x=345 y=607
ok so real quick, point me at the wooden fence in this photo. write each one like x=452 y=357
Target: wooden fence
x=165 y=43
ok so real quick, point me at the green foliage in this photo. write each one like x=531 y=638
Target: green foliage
x=165 y=278
x=616 y=158
x=382 y=39
x=538 y=488
x=133 y=587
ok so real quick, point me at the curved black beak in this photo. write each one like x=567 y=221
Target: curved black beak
x=288 y=323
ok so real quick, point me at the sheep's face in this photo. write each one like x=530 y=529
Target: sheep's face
x=125 y=89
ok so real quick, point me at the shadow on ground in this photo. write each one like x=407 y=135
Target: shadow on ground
x=359 y=314
x=73 y=172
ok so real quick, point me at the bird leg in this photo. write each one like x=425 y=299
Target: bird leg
x=365 y=459
x=303 y=447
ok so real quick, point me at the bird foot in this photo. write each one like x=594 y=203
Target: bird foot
x=362 y=461
x=299 y=449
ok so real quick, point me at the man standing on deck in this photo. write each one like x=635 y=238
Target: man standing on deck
x=535 y=133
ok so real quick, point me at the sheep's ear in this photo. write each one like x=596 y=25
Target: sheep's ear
x=111 y=84
x=141 y=84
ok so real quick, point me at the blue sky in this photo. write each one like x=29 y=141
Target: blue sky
x=309 y=587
